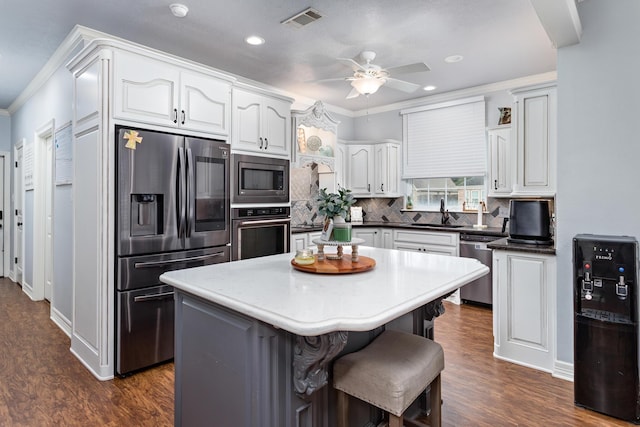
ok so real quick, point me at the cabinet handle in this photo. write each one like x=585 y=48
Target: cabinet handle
x=495 y=184
x=261 y=143
x=266 y=143
x=382 y=187
x=184 y=116
x=369 y=187
x=175 y=115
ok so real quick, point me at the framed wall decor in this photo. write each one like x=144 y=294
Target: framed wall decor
x=505 y=116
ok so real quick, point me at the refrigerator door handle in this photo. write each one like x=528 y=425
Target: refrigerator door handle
x=153 y=297
x=153 y=264
x=190 y=192
x=180 y=199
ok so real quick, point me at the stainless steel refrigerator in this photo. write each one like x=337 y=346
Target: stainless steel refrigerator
x=173 y=213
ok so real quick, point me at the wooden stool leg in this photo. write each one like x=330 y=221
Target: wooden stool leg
x=395 y=421
x=343 y=409
x=435 y=402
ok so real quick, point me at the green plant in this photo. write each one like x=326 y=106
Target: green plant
x=335 y=204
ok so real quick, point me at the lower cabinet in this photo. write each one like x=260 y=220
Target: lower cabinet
x=305 y=240
x=376 y=237
x=524 y=306
x=434 y=242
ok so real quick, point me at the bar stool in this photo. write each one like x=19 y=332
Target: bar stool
x=390 y=373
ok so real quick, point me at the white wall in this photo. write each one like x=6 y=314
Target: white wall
x=53 y=101
x=5 y=131
x=598 y=139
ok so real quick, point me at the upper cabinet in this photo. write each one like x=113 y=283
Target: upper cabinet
x=374 y=169
x=315 y=136
x=535 y=130
x=148 y=90
x=261 y=123
x=500 y=181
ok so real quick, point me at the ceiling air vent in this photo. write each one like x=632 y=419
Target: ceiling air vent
x=303 y=18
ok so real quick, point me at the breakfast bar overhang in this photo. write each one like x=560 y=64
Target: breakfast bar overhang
x=255 y=338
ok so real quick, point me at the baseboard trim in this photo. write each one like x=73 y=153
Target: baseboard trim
x=563 y=370
x=62 y=322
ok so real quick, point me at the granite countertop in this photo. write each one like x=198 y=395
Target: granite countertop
x=489 y=231
x=310 y=304
x=506 y=245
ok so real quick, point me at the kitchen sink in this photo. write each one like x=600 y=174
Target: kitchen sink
x=437 y=225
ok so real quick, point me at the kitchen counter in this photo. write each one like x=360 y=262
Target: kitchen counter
x=270 y=290
x=489 y=231
x=506 y=245
x=255 y=338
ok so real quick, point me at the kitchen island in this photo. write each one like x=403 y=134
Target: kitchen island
x=255 y=338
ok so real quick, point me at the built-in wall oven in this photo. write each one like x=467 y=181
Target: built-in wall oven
x=260 y=231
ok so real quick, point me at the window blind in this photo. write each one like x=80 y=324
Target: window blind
x=445 y=140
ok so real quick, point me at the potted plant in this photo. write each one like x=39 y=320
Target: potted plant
x=335 y=208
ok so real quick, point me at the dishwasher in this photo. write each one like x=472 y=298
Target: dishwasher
x=475 y=246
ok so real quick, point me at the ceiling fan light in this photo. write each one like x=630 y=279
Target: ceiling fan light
x=367 y=85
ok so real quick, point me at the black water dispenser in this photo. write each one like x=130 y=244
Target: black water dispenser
x=606 y=377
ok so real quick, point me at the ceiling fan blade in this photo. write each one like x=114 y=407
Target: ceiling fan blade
x=335 y=79
x=418 y=67
x=352 y=63
x=353 y=94
x=401 y=85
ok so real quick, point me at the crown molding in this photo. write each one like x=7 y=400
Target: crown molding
x=506 y=85
x=75 y=38
x=4 y=113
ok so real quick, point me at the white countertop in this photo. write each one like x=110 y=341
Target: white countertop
x=271 y=290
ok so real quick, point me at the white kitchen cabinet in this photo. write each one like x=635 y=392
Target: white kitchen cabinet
x=148 y=90
x=524 y=307
x=386 y=239
x=371 y=236
x=299 y=241
x=340 y=167
x=374 y=169
x=261 y=123
x=500 y=181
x=535 y=130
x=435 y=242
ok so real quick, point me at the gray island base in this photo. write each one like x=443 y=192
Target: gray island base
x=255 y=339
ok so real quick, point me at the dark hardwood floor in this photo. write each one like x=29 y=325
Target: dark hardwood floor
x=43 y=384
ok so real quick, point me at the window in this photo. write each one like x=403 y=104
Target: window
x=458 y=193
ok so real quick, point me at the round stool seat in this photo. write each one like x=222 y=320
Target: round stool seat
x=391 y=371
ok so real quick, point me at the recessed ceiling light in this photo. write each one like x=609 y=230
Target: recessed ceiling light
x=179 y=10
x=430 y=87
x=453 y=58
x=254 y=40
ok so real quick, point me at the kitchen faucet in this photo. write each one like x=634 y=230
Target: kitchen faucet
x=445 y=213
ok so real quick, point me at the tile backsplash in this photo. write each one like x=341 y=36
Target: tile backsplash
x=304 y=207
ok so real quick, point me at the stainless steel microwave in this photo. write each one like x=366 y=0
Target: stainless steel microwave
x=259 y=179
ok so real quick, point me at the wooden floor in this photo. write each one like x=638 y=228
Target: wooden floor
x=43 y=384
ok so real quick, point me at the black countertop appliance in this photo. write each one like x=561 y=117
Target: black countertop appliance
x=530 y=222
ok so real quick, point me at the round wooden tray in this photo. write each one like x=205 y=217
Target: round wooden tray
x=337 y=266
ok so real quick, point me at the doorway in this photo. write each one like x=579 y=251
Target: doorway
x=43 y=214
x=18 y=191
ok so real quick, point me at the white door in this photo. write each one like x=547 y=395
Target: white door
x=48 y=250
x=19 y=194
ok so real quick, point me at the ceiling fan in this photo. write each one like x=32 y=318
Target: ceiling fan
x=368 y=77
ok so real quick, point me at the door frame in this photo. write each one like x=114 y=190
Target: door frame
x=43 y=133
x=7 y=209
x=19 y=145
